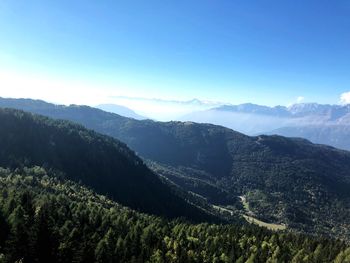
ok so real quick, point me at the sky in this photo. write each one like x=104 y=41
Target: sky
x=268 y=52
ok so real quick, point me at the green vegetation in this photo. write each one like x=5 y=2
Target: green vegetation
x=289 y=181
x=249 y=218
x=47 y=219
x=100 y=162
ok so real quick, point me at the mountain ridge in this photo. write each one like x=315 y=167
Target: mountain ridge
x=289 y=181
x=294 y=110
x=120 y=110
x=298 y=120
x=101 y=162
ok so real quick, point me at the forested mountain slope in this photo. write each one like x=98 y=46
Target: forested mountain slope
x=289 y=181
x=98 y=161
x=46 y=219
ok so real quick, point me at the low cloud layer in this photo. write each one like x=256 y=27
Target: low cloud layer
x=345 y=98
x=161 y=109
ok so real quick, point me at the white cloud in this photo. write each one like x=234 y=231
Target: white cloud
x=300 y=99
x=345 y=98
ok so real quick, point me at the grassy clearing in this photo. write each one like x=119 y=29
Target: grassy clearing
x=251 y=219
x=258 y=222
x=270 y=226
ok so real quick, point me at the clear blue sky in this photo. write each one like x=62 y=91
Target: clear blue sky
x=266 y=52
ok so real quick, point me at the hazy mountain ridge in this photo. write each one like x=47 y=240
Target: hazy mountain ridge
x=326 y=124
x=121 y=110
x=291 y=181
x=329 y=112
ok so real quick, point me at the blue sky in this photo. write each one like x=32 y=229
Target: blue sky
x=265 y=52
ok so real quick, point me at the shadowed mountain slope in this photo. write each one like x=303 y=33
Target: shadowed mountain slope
x=100 y=162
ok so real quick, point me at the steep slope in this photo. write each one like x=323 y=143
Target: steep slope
x=290 y=181
x=100 y=162
x=45 y=219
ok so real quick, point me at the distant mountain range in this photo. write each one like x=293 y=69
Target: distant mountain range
x=335 y=113
x=163 y=109
x=325 y=124
x=286 y=181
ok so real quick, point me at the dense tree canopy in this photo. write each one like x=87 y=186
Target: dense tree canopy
x=100 y=162
x=47 y=219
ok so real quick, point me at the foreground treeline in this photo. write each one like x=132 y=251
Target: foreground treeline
x=45 y=219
